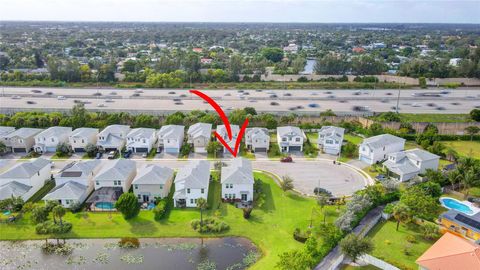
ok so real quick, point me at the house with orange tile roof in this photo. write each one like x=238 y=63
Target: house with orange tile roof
x=450 y=252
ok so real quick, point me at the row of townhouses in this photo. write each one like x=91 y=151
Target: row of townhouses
x=103 y=182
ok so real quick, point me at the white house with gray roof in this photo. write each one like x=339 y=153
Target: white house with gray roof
x=116 y=173
x=191 y=183
x=330 y=139
x=69 y=194
x=405 y=165
x=25 y=178
x=152 y=181
x=257 y=139
x=22 y=139
x=80 y=137
x=376 y=148
x=47 y=140
x=199 y=136
x=222 y=131
x=290 y=139
x=170 y=138
x=237 y=181
x=81 y=172
x=112 y=137
x=141 y=140
x=4 y=131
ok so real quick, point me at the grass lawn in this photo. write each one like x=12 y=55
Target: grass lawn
x=87 y=157
x=465 y=148
x=439 y=117
x=389 y=244
x=411 y=145
x=49 y=185
x=353 y=138
x=365 y=267
x=270 y=227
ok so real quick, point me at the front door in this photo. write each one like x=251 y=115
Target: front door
x=244 y=197
x=145 y=198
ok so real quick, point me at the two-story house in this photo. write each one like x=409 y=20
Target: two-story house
x=199 y=136
x=237 y=181
x=47 y=140
x=330 y=139
x=80 y=137
x=117 y=173
x=222 y=131
x=376 y=148
x=290 y=139
x=170 y=138
x=405 y=165
x=4 y=131
x=24 y=179
x=191 y=183
x=257 y=139
x=152 y=181
x=112 y=138
x=81 y=172
x=141 y=140
x=22 y=139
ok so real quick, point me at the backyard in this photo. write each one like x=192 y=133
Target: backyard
x=270 y=226
x=465 y=148
x=393 y=246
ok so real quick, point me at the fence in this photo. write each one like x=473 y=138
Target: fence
x=377 y=262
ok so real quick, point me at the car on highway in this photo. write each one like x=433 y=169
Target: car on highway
x=440 y=108
x=31 y=102
x=113 y=93
x=109 y=100
x=227 y=94
x=388 y=94
x=16 y=97
x=455 y=103
x=395 y=108
x=36 y=91
x=357 y=93
x=97 y=94
x=171 y=93
x=384 y=100
x=292 y=108
x=135 y=95
x=431 y=104
x=273 y=103
x=287 y=94
x=112 y=154
x=183 y=95
x=313 y=105
x=286 y=159
x=273 y=96
x=61 y=98
x=361 y=108
x=178 y=103
x=328 y=92
x=101 y=105
x=139 y=91
x=331 y=96
x=416 y=105
x=48 y=93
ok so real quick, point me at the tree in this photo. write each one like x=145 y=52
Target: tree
x=475 y=115
x=429 y=230
x=59 y=211
x=91 y=149
x=79 y=116
x=128 y=205
x=419 y=202
x=468 y=180
x=202 y=205
x=331 y=65
x=3 y=147
x=401 y=213
x=214 y=147
x=355 y=246
x=300 y=259
x=273 y=54
x=287 y=183
x=63 y=149
x=39 y=214
x=422 y=82
x=472 y=130
x=247 y=212
x=322 y=201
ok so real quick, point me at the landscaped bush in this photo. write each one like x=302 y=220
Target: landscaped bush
x=160 y=209
x=301 y=236
x=129 y=242
x=210 y=225
x=49 y=227
x=11 y=204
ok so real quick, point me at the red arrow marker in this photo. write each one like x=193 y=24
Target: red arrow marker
x=224 y=118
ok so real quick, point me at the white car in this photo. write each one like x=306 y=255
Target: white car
x=16 y=97
x=61 y=98
x=101 y=105
x=416 y=105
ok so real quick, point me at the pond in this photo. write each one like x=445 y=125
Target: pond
x=151 y=253
x=309 y=67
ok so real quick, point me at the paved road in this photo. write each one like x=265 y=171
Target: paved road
x=306 y=101
x=307 y=174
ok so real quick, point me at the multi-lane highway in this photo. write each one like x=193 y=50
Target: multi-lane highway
x=302 y=101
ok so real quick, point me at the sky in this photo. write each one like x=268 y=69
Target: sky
x=321 y=11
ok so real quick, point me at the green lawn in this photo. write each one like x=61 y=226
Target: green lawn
x=465 y=148
x=389 y=244
x=270 y=227
x=365 y=267
x=353 y=138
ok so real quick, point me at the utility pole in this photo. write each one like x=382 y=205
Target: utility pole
x=398 y=98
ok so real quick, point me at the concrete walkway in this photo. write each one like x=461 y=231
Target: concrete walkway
x=331 y=261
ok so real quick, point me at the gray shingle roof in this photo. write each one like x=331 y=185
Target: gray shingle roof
x=55 y=132
x=200 y=129
x=115 y=129
x=153 y=174
x=238 y=172
x=83 y=167
x=330 y=130
x=171 y=131
x=140 y=133
x=420 y=154
x=70 y=190
x=256 y=131
x=6 y=130
x=25 y=169
x=404 y=164
x=380 y=141
x=84 y=132
x=13 y=188
x=195 y=175
x=24 y=133
x=119 y=169
x=289 y=130
x=222 y=131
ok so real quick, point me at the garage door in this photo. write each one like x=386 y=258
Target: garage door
x=260 y=149
x=51 y=149
x=110 y=149
x=171 y=150
x=79 y=150
x=19 y=150
x=366 y=159
x=141 y=150
x=295 y=148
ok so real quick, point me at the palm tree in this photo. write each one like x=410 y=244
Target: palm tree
x=286 y=184
x=451 y=154
x=202 y=205
x=468 y=180
x=401 y=213
x=472 y=130
x=59 y=211
x=454 y=176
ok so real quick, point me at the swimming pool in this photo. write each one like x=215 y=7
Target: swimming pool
x=105 y=205
x=464 y=207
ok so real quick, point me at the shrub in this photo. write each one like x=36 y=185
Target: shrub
x=411 y=239
x=209 y=225
x=129 y=242
x=39 y=214
x=128 y=205
x=49 y=227
x=160 y=209
x=247 y=212
x=301 y=236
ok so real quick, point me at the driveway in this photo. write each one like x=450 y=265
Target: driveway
x=358 y=163
x=261 y=155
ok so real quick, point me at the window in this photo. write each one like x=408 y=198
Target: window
x=139 y=196
x=136 y=186
x=97 y=183
x=202 y=191
x=231 y=185
x=384 y=148
x=297 y=139
x=418 y=162
x=144 y=141
x=284 y=139
x=161 y=186
x=329 y=141
x=226 y=196
x=67 y=201
x=74 y=141
x=83 y=141
x=191 y=201
x=188 y=190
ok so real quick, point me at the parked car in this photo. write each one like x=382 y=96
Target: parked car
x=112 y=154
x=144 y=155
x=286 y=159
x=99 y=155
x=127 y=154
